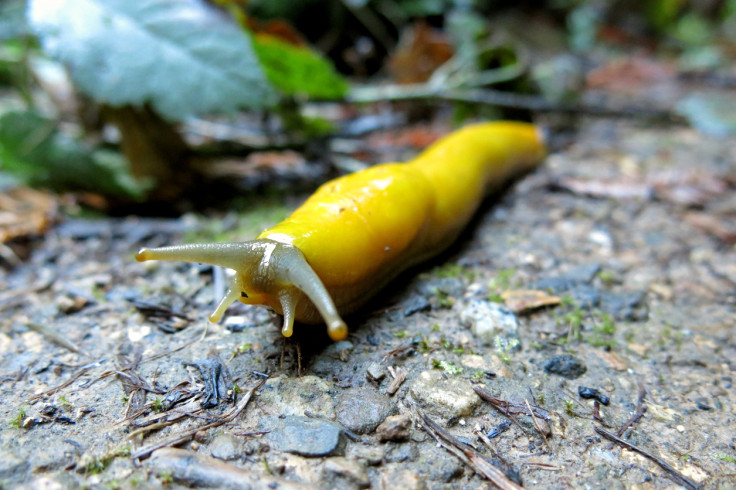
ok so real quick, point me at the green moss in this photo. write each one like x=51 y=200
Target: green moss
x=446 y=366
x=453 y=270
x=17 y=421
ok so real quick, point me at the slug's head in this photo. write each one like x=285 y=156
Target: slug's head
x=267 y=273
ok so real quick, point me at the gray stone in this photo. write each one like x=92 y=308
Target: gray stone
x=372 y=455
x=294 y=396
x=628 y=306
x=451 y=397
x=488 y=320
x=565 y=365
x=404 y=479
x=402 y=452
x=224 y=448
x=375 y=372
x=301 y=435
x=343 y=473
x=362 y=409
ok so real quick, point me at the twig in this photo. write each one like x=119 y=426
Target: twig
x=178 y=439
x=543 y=431
x=467 y=454
x=673 y=473
x=640 y=411
x=55 y=337
x=60 y=387
x=399 y=376
x=502 y=99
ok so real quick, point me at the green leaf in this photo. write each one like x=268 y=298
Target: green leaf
x=35 y=152
x=182 y=57
x=296 y=70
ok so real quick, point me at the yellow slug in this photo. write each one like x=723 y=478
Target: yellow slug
x=357 y=232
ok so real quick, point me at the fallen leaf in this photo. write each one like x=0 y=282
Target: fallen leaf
x=613 y=360
x=524 y=300
x=25 y=212
x=421 y=51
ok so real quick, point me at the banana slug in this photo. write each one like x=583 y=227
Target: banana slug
x=358 y=232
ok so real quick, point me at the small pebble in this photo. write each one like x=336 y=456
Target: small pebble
x=302 y=435
x=565 y=365
x=394 y=428
x=592 y=393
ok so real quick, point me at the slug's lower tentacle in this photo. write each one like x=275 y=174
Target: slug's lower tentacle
x=288 y=300
x=231 y=296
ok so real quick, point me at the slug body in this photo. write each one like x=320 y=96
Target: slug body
x=357 y=232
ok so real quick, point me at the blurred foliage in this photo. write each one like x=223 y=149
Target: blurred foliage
x=34 y=151
x=184 y=59
x=296 y=70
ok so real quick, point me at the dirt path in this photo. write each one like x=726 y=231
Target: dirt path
x=631 y=230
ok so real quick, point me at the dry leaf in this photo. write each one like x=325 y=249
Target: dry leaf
x=420 y=52
x=524 y=300
x=25 y=212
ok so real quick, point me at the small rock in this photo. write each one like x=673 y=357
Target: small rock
x=451 y=397
x=404 y=479
x=301 y=435
x=451 y=286
x=702 y=404
x=402 y=452
x=565 y=365
x=394 y=428
x=342 y=472
x=628 y=306
x=372 y=455
x=223 y=447
x=324 y=364
x=196 y=471
x=362 y=409
x=583 y=274
x=438 y=466
x=592 y=393
x=415 y=304
x=585 y=296
x=294 y=396
x=487 y=320
x=375 y=372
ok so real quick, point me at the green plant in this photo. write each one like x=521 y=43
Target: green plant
x=504 y=347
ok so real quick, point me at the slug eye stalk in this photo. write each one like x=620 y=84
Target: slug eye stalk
x=267 y=272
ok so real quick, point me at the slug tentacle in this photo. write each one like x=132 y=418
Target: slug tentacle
x=234 y=293
x=267 y=272
x=288 y=305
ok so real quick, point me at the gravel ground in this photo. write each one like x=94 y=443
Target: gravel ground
x=625 y=240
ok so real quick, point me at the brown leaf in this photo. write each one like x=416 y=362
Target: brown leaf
x=25 y=212
x=421 y=51
x=524 y=300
